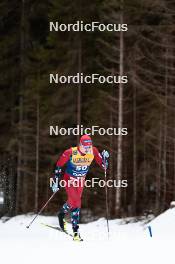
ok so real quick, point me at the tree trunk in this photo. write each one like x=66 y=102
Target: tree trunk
x=134 y=155
x=21 y=109
x=165 y=133
x=37 y=150
x=158 y=176
x=79 y=70
x=120 y=122
x=79 y=86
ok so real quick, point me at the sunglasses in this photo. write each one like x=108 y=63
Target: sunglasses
x=86 y=147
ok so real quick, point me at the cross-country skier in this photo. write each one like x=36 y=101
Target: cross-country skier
x=77 y=160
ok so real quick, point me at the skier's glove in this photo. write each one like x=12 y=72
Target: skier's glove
x=57 y=175
x=57 y=172
x=105 y=156
x=55 y=187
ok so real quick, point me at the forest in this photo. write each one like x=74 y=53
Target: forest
x=145 y=105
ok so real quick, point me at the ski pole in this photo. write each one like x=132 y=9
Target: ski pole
x=106 y=194
x=41 y=209
x=106 y=155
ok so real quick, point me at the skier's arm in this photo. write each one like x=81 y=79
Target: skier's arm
x=64 y=158
x=98 y=157
x=101 y=159
x=60 y=163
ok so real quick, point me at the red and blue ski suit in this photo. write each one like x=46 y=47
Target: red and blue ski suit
x=77 y=167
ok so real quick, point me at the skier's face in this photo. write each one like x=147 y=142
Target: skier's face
x=85 y=149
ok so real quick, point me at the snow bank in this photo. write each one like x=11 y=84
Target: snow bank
x=163 y=226
x=128 y=243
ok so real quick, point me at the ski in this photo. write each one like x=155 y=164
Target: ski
x=58 y=229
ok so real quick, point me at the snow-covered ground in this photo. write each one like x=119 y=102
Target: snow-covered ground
x=128 y=243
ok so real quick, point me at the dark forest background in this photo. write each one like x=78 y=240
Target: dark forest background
x=146 y=105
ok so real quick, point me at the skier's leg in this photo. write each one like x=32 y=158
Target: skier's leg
x=75 y=211
x=74 y=194
x=64 y=210
x=61 y=216
x=75 y=218
x=68 y=205
x=76 y=207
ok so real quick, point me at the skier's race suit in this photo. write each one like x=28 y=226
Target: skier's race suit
x=77 y=167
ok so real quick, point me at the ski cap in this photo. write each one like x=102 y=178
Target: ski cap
x=86 y=140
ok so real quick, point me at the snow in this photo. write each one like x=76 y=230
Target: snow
x=163 y=226
x=128 y=243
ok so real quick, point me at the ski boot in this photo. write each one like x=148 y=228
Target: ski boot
x=76 y=235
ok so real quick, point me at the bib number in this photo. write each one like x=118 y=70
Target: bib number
x=80 y=171
x=81 y=168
